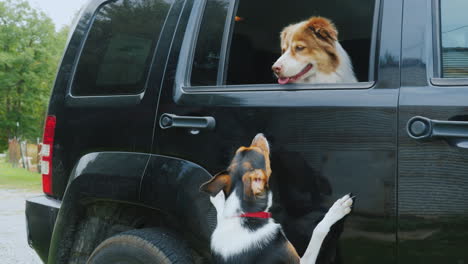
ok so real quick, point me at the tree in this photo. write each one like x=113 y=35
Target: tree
x=30 y=50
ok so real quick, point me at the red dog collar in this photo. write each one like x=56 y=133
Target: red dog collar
x=264 y=215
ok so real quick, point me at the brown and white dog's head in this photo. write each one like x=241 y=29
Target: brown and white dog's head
x=308 y=48
x=247 y=176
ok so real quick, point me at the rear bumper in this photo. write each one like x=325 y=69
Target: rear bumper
x=41 y=213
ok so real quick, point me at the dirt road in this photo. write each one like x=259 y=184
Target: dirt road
x=14 y=248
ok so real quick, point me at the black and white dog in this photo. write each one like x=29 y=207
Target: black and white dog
x=245 y=232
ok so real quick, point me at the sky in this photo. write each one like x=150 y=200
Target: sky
x=454 y=23
x=61 y=11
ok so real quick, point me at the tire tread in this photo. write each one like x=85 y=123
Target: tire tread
x=157 y=241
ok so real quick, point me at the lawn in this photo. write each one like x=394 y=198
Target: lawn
x=18 y=178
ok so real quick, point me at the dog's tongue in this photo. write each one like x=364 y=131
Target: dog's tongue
x=283 y=80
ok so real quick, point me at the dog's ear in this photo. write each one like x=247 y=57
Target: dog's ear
x=323 y=29
x=261 y=142
x=285 y=33
x=221 y=181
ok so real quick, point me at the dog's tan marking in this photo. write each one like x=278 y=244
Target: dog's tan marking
x=221 y=181
x=241 y=149
x=247 y=165
x=323 y=28
x=255 y=182
x=262 y=144
x=292 y=253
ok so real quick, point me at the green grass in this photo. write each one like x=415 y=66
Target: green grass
x=18 y=178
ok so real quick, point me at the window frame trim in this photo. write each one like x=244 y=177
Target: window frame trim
x=436 y=39
x=80 y=51
x=226 y=43
x=375 y=40
x=278 y=87
x=436 y=81
x=190 y=41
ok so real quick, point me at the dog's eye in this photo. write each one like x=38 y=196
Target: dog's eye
x=299 y=48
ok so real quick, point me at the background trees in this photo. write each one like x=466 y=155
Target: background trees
x=30 y=50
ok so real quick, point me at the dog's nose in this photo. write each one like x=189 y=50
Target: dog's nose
x=276 y=69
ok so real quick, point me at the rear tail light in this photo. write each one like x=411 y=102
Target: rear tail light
x=46 y=154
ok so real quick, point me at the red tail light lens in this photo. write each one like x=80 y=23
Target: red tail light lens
x=46 y=154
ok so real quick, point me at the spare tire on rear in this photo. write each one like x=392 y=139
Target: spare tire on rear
x=141 y=246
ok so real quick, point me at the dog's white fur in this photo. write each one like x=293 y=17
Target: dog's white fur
x=230 y=238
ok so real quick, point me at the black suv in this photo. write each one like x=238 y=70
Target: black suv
x=152 y=97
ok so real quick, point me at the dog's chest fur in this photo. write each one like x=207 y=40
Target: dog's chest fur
x=275 y=252
x=248 y=240
x=234 y=243
x=233 y=238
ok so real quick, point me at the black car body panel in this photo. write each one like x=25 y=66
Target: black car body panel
x=103 y=123
x=172 y=185
x=97 y=176
x=167 y=184
x=316 y=133
x=433 y=187
x=41 y=214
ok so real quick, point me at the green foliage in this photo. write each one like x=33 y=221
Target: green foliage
x=18 y=178
x=30 y=50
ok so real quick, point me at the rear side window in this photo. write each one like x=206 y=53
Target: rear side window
x=454 y=36
x=118 y=50
x=239 y=41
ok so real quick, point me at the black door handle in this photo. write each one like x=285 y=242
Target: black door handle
x=455 y=132
x=197 y=122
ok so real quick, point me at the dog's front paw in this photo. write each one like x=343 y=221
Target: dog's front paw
x=340 y=209
x=218 y=200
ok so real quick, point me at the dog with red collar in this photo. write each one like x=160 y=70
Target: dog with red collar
x=245 y=232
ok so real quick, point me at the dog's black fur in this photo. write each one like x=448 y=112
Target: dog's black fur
x=296 y=193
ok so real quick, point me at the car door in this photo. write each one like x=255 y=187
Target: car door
x=433 y=115
x=326 y=140
x=103 y=82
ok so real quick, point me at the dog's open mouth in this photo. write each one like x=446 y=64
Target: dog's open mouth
x=285 y=80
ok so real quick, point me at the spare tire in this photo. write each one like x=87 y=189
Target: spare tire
x=141 y=246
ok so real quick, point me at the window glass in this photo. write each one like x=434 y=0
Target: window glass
x=207 y=54
x=119 y=47
x=454 y=34
x=253 y=44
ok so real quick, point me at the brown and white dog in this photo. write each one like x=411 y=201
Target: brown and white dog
x=311 y=53
x=245 y=231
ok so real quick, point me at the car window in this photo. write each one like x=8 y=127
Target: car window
x=242 y=48
x=454 y=38
x=118 y=50
x=206 y=59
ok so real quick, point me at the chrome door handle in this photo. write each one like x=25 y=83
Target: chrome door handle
x=197 y=122
x=419 y=127
x=454 y=132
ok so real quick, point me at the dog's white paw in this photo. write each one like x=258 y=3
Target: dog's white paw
x=340 y=209
x=218 y=200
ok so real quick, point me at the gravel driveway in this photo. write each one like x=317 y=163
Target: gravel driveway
x=14 y=248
